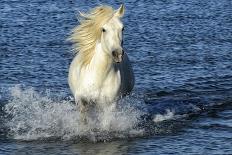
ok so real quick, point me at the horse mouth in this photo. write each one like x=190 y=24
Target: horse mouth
x=118 y=59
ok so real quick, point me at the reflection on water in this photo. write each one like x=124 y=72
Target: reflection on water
x=116 y=147
x=109 y=148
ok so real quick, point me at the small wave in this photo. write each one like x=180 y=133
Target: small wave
x=33 y=115
x=168 y=116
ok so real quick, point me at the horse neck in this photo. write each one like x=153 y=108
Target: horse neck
x=101 y=62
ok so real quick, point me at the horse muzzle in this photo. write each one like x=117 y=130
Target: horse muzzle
x=118 y=55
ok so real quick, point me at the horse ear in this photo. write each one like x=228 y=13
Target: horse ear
x=81 y=14
x=120 y=12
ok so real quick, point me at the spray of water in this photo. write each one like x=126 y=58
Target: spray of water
x=169 y=115
x=32 y=116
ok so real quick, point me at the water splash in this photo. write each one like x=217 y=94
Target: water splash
x=33 y=116
x=167 y=116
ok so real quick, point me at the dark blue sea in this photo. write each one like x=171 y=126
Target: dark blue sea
x=181 y=53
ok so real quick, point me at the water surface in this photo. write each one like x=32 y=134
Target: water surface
x=181 y=55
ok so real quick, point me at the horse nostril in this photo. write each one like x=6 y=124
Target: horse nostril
x=117 y=53
x=114 y=53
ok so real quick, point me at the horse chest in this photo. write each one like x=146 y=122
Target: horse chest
x=103 y=87
x=111 y=85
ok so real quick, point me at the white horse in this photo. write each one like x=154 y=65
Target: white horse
x=101 y=72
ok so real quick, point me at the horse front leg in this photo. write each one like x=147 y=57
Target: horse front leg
x=83 y=111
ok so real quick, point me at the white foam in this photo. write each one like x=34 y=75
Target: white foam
x=167 y=116
x=34 y=115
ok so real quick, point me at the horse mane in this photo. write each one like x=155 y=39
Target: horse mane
x=85 y=36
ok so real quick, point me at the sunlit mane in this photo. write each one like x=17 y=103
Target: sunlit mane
x=88 y=32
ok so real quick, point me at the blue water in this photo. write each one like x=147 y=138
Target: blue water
x=180 y=50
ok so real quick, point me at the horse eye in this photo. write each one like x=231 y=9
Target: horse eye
x=103 y=30
x=123 y=29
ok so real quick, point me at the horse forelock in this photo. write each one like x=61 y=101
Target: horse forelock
x=86 y=35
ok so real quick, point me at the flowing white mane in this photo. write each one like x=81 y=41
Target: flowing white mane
x=88 y=32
